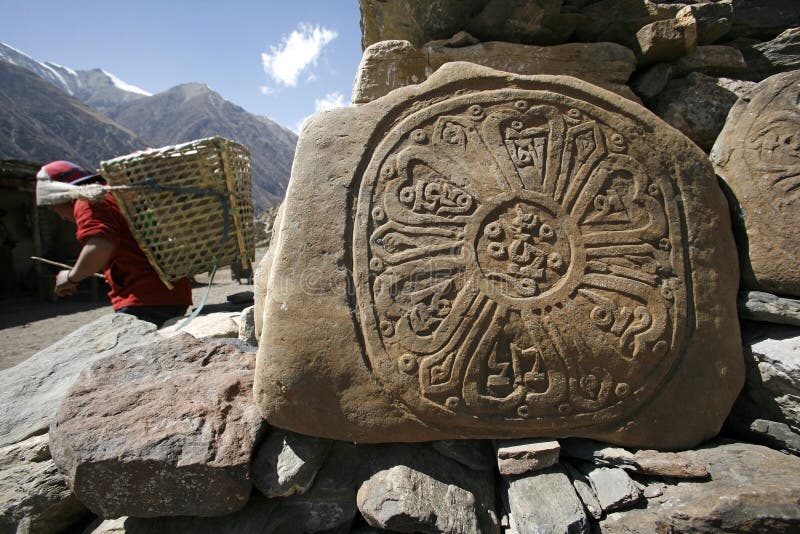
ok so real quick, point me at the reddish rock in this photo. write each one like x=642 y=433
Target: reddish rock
x=162 y=429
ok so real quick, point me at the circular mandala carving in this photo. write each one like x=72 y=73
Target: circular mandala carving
x=516 y=261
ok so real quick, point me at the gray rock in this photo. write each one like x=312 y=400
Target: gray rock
x=596 y=452
x=471 y=493
x=34 y=496
x=760 y=306
x=476 y=454
x=234 y=342
x=247 y=325
x=618 y=21
x=406 y=500
x=713 y=20
x=532 y=22
x=261 y=515
x=697 y=106
x=713 y=60
x=516 y=457
x=649 y=83
x=163 y=429
x=781 y=54
x=772 y=384
x=31 y=392
x=763 y=18
x=776 y=435
x=545 y=502
x=752 y=489
x=614 y=488
x=584 y=490
x=654 y=490
x=286 y=463
x=331 y=501
x=665 y=40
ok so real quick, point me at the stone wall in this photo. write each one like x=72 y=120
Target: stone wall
x=535 y=247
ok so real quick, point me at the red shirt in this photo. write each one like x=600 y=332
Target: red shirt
x=133 y=280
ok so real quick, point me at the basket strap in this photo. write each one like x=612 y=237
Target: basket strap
x=155 y=186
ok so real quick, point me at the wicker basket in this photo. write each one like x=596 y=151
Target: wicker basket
x=175 y=204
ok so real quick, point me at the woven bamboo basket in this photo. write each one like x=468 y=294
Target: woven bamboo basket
x=175 y=202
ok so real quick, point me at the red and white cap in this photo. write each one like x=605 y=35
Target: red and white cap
x=65 y=172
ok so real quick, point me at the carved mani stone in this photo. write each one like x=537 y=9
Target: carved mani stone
x=493 y=255
x=758 y=156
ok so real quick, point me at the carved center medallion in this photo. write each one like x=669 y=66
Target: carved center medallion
x=515 y=260
x=523 y=247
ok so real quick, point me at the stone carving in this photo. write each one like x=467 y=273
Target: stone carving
x=493 y=255
x=523 y=263
x=758 y=156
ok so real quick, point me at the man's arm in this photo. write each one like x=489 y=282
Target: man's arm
x=94 y=257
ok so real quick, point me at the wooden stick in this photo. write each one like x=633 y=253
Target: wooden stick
x=64 y=265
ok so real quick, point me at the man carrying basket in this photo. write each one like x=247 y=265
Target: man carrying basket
x=108 y=244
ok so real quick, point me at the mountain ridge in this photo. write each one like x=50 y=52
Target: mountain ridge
x=183 y=113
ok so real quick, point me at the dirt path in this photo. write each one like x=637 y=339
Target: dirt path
x=28 y=325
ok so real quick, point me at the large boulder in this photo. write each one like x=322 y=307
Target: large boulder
x=493 y=255
x=31 y=392
x=388 y=65
x=162 y=429
x=758 y=156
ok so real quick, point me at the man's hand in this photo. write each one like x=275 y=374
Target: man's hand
x=64 y=288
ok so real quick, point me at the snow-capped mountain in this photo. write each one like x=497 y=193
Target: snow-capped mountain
x=96 y=88
x=60 y=119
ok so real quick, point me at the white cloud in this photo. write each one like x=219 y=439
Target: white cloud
x=266 y=90
x=297 y=52
x=329 y=101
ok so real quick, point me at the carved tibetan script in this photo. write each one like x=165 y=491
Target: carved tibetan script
x=514 y=260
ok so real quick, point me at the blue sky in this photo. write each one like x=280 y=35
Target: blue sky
x=281 y=58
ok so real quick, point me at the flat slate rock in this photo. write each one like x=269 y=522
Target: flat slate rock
x=771 y=392
x=760 y=306
x=286 y=463
x=163 y=429
x=34 y=496
x=615 y=489
x=402 y=499
x=758 y=156
x=525 y=455
x=31 y=392
x=545 y=502
x=500 y=256
x=752 y=489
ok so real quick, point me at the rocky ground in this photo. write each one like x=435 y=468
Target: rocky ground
x=27 y=324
